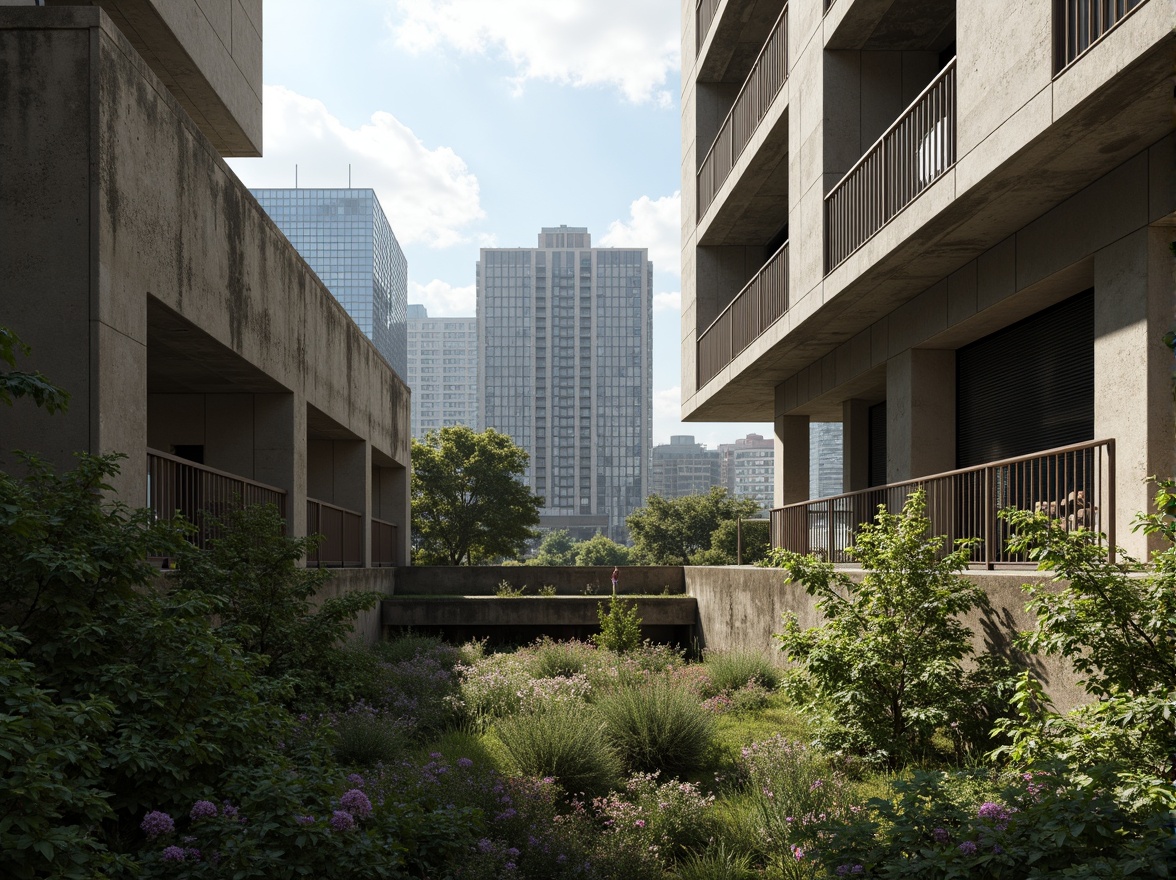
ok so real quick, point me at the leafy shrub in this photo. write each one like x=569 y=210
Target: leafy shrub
x=732 y=670
x=553 y=659
x=563 y=742
x=490 y=687
x=506 y=591
x=1063 y=823
x=668 y=818
x=656 y=726
x=886 y=665
x=620 y=627
x=266 y=600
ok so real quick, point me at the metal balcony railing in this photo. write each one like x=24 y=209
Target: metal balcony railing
x=911 y=155
x=704 y=17
x=202 y=494
x=755 y=308
x=768 y=75
x=342 y=531
x=1079 y=24
x=383 y=543
x=1074 y=484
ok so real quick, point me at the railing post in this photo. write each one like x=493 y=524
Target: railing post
x=989 y=521
x=1111 y=500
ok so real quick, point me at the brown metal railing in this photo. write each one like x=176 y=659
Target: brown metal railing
x=383 y=543
x=1079 y=24
x=911 y=155
x=768 y=75
x=200 y=493
x=1074 y=484
x=342 y=531
x=755 y=308
x=704 y=17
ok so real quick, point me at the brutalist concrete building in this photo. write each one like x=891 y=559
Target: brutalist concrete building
x=948 y=232
x=153 y=287
x=565 y=368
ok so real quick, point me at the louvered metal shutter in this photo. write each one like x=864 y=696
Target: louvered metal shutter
x=1028 y=387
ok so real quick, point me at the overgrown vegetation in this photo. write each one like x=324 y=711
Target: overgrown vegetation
x=620 y=627
x=682 y=531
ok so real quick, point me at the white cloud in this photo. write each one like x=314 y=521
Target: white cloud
x=667 y=302
x=443 y=300
x=655 y=224
x=667 y=404
x=429 y=195
x=631 y=45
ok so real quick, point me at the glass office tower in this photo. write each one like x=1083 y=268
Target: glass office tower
x=346 y=238
x=442 y=371
x=565 y=342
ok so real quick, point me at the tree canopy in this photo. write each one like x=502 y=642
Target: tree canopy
x=556 y=548
x=601 y=550
x=669 y=531
x=468 y=502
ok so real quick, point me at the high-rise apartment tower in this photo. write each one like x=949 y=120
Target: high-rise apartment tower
x=442 y=371
x=565 y=360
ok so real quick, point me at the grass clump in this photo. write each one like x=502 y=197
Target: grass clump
x=657 y=726
x=563 y=742
x=554 y=659
x=733 y=670
x=365 y=737
x=718 y=862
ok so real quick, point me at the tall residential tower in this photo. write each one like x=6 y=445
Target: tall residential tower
x=565 y=359
x=442 y=371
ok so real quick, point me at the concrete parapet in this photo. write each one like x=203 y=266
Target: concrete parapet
x=570 y=580
x=739 y=608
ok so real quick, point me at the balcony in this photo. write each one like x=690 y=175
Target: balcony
x=768 y=74
x=755 y=308
x=917 y=149
x=1073 y=484
x=202 y=494
x=342 y=531
x=704 y=16
x=1080 y=24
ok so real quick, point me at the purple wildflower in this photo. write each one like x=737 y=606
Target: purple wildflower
x=203 y=810
x=173 y=854
x=304 y=820
x=464 y=763
x=356 y=803
x=996 y=848
x=341 y=820
x=506 y=815
x=156 y=823
x=856 y=869
x=941 y=835
x=995 y=813
x=512 y=853
x=968 y=847
x=485 y=846
x=509 y=866
x=192 y=854
x=355 y=780
x=230 y=812
x=842 y=870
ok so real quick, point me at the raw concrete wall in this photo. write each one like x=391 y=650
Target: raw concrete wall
x=369 y=627
x=571 y=580
x=739 y=608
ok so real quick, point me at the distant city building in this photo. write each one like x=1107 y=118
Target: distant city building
x=825 y=460
x=346 y=238
x=442 y=371
x=683 y=467
x=565 y=364
x=747 y=469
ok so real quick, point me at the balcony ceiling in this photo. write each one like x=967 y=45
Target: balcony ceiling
x=736 y=37
x=183 y=359
x=752 y=211
x=893 y=25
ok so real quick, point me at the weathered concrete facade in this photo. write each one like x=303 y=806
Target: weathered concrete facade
x=1061 y=178
x=152 y=286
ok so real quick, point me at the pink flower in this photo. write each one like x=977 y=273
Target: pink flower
x=640 y=823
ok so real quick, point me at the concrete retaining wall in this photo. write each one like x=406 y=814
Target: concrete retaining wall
x=570 y=580
x=740 y=607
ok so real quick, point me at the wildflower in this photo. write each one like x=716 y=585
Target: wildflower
x=355 y=780
x=941 y=835
x=203 y=810
x=464 y=763
x=485 y=846
x=507 y=814
x=509 y=866
x=842 y=870
x=640 y=823
x=356 y=803
x=996 y=848
x=817 y=783
x=173 y=854
x=997 y=814
x=192 y=854
x=156 y=823
x=230 y=812
x=856 y=869
x=341 y=820
x=304 y=820
x=797 y=852
x=968 y=847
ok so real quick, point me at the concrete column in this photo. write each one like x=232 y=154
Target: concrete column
x=1134 y=303
x=855 y=445
x=920 y=414
x=792 y=460
x=279 y=451
x=352 y=489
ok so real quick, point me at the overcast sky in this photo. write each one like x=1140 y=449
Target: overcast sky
x=479 y=121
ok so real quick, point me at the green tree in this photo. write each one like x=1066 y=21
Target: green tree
x=671 y=531
x=556 y=548
x=601 y=550
x=468 y=501
x=886 y=666
x=724 y=548
x=16 y=383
